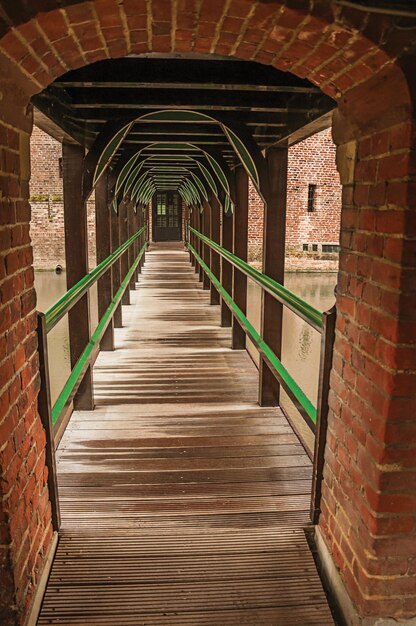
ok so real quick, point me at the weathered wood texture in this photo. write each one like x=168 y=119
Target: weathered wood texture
x=76 y=257
x=240 y=249
x=103 y=247
x=183 y=501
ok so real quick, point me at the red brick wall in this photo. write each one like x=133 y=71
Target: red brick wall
x=255 y=224
x=369 y=493
x=311 y=161
x=46 y=189
x=25 y=517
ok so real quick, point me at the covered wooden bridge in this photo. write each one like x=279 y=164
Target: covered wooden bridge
x=170 y=488
x=182 y=494
x=183 y=501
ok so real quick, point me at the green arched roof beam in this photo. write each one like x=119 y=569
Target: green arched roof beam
x=176 y=115
x=208 y=177
x=125 y=173
x=174 y=173
x=147 y=192
x=132 y=177
x=192 y=190
x=244 y=155
x=184 y=116
x=196 y=192
x=184 y=147
x=138 y=185
x=186 y=171
x=109 y=151
x=182 y=195
x=190 y=199
x=193 y=198
x=185 y=195
x=237 y=143
x=201 y=187
x=220 y=174
x=144 y=188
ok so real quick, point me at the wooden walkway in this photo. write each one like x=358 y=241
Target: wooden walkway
x=183 y=501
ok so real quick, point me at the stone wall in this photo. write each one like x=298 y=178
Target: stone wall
x=46 y=189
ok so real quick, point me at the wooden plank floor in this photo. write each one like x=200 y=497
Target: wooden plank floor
x=183 y=501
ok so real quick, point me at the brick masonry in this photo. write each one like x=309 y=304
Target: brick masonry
x=46 y=199
x=368 y=509
x=311 y=161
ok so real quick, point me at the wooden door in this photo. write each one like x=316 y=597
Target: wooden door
x=167 y=216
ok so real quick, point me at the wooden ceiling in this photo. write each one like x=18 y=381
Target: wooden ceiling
x=266 y=105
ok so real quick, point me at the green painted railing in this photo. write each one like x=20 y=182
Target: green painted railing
x=298 y=397
x=304 y=310
x=85 y=358
x=71 y=297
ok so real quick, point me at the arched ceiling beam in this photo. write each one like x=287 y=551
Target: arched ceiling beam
x=217 y=164
x=101 y=153
x=240 y=139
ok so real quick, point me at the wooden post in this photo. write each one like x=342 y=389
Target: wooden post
x=131 y=253
x=273 y=266
x=215 y=236
x=103 y=244
x=76 y=254
x=142 y=238
x=115 y=243
x=146 y=216
x=226 y=268
x=124 y=260
x=201 y=245
x=240 y=247
x=45 y=412
x=325 y=366
x=206 y=254
x=191 y=235
x=197 y=241
x=137 y=244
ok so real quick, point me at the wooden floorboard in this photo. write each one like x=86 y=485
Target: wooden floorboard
x=183 y=502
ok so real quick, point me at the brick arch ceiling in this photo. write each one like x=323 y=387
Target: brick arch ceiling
x=328 y=50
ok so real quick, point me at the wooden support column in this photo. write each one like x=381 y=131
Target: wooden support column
x=141 y=239
x=137 y=244
x=45 y=412
x=115 y=243
x=226 y=268
x=103 y=245
x=206 y=253
x=273 y=266
x=124 y=264
x=215 y=236
x=197 y=241
x=191 y=235
x=131 y=254
x=144 y=221
x=240 y=247
x=201 y=245
x=147 y=222
x=76 y=254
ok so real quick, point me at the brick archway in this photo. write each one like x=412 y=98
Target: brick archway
x=367 y=519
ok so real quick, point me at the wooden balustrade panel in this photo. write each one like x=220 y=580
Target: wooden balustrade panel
x=183 y=502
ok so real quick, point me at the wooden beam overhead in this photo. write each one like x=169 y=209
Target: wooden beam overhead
x=171 y=104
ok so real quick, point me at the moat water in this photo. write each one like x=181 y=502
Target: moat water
x=301 y=343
